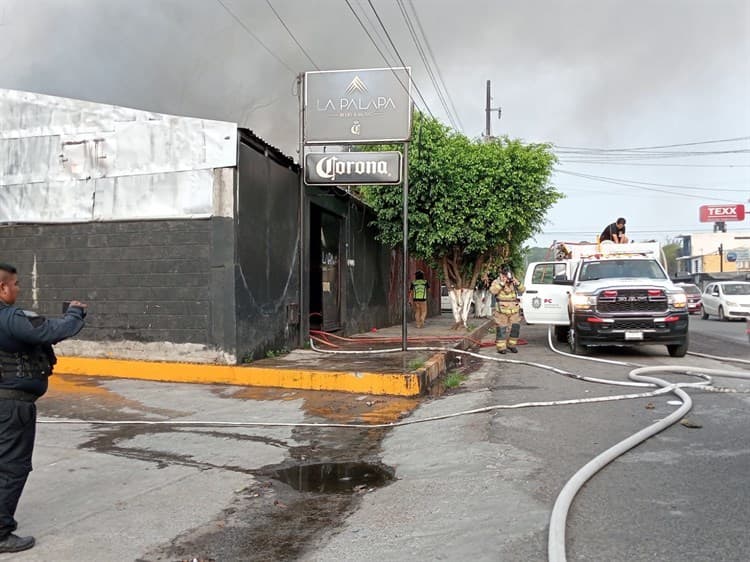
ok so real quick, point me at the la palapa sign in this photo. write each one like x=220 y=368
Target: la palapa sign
x=722 y=213
x=353 y=168
x=357 y=106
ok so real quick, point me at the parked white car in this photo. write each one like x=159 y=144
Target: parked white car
x=727 y=299
x=445 y=299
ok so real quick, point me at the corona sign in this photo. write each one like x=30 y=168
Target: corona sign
x=722 y=213
x=353 y=168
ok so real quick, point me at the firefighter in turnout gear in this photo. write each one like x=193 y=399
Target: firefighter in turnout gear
x=507 y=311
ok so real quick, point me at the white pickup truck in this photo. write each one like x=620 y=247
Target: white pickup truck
x=608 y=294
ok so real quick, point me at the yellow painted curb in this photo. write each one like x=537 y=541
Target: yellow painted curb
x=395 y=384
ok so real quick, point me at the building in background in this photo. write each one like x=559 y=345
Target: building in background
x=715 y=255
x=182 y=234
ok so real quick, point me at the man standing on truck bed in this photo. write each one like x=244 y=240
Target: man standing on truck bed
x=614 y=232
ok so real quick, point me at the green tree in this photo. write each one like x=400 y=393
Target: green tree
x=671 y=250
x=471 y=204
x=537 y=253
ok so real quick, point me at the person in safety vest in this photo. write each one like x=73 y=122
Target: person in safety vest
x=506 y=289
x=26 y=361
x=418 y=295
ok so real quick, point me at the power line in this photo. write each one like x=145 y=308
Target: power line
x=653 y=189
x=735 y=139
x=367 y=32
x=580 y=192
x=689 y=187
x=437 y=67
x=627 y=156
x=289 y=31
x=658 y=164
x=634 y=231
x=424 y=61
x=400 y=58
x=254 y=36
x=423 y=56
x=375 y=29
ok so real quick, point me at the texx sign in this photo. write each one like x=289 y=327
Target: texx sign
x=721 y=213
x=353 y=168
x=357 y=106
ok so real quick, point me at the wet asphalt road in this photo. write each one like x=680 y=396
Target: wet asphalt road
x=679 y=496
x=476 y=487
x=481 y=487
x=719 y=338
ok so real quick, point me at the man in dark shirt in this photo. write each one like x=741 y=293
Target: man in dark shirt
x=26 y=361
x=614 y=232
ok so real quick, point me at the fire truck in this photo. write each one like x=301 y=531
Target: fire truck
x=607 y=294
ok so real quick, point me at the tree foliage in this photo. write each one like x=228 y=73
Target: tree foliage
x=671 y=251
x=471 y=204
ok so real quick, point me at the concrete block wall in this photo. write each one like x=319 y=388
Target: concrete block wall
x=144 y=281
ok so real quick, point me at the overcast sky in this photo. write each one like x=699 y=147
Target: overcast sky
x=581 y=73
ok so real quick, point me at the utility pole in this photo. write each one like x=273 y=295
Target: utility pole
x=721 y=258
x=489 y=109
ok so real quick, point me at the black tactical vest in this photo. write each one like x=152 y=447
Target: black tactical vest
x=34 y=364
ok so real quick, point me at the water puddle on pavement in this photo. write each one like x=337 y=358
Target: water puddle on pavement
x=334 y=477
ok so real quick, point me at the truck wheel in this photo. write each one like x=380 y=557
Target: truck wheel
x=561 y=334
x=678 y=349
x=575 y=347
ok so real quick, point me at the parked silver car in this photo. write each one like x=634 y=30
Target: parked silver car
x=727 y=300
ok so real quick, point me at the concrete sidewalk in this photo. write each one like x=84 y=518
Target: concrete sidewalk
x=382 y=369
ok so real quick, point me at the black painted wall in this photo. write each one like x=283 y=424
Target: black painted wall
x=370 y=300
x=144 y=281
x=267 y=277
x=231 y=284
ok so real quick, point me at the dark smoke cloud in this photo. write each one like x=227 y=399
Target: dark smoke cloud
x=570 y=70
x=594 y=72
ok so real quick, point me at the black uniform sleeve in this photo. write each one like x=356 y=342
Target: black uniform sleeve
x=50 y=332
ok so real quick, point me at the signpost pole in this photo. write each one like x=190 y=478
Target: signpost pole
x=405 y=260
x=378 y=111
x=304 y=316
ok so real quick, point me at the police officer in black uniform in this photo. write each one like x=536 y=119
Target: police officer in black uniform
x=26 y=361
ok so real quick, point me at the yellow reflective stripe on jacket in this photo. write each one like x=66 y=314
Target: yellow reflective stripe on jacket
x=420 y=289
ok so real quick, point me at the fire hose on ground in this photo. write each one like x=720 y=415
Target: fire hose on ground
x=558 y=518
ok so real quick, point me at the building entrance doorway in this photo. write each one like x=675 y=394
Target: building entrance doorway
x=325 y=273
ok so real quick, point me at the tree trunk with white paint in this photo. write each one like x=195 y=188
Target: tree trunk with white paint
x=461 y=305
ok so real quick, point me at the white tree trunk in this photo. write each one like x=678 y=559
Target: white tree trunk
x=461 y=304
x=482 y=303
